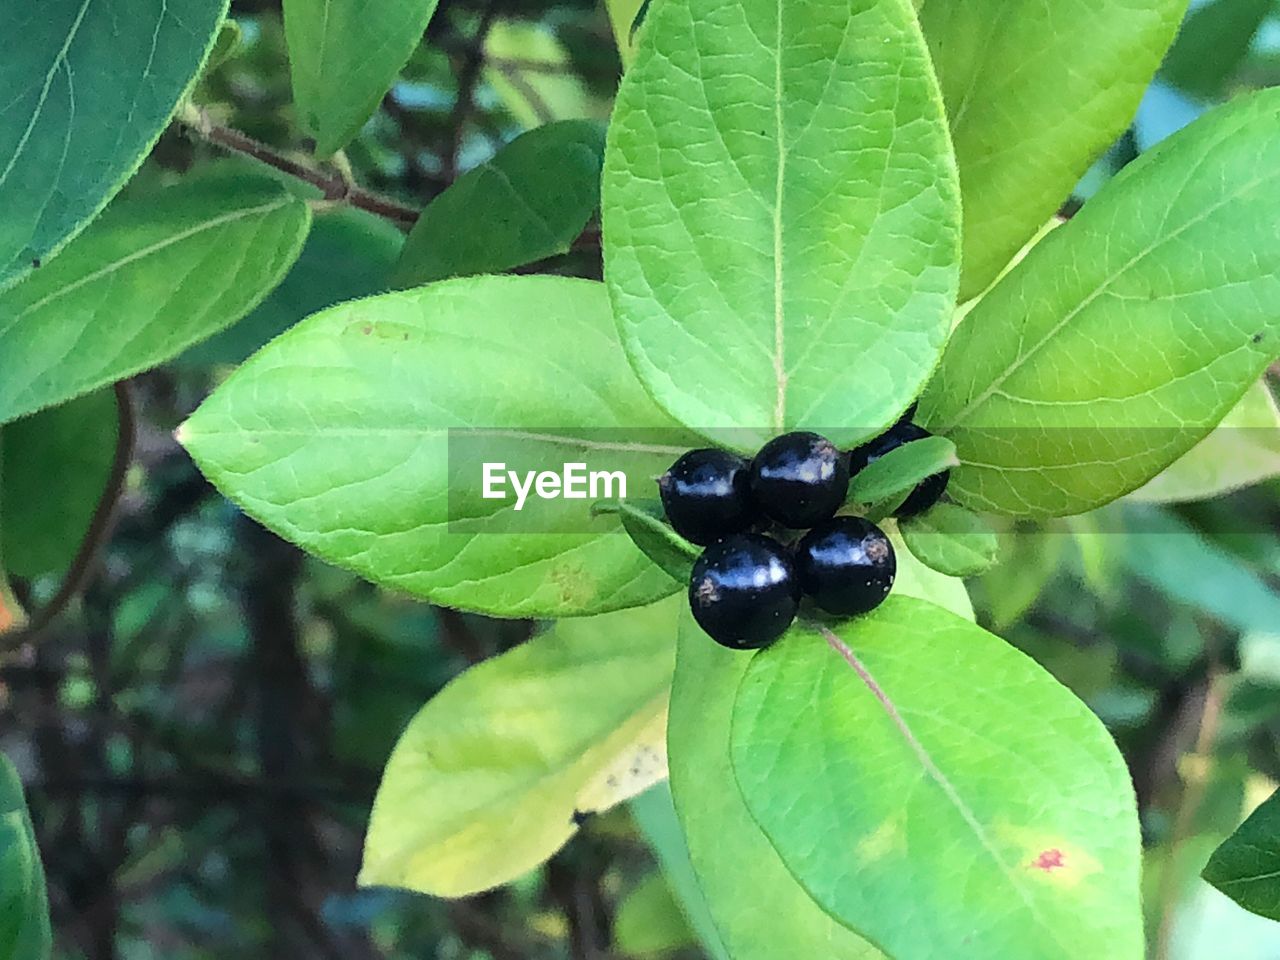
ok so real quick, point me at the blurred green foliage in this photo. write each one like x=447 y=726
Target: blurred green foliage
x=203 y=732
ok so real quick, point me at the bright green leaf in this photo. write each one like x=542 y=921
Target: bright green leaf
x=736 y=866
x=781 y=215
x=936 y=772
x=531 y=71
x=1212 y=44
x=649 y=921
x=655 y=814
x=1126 y=335
x=348 y=254
x=88 y=89
x=1242 y=450
x=1034 y=93
x=951 y=540
x=156 y=273
x=56 y=464
x=337 y=436
x=901 y=469
x=646 y=523
x=343 y=56
x=484 y=783
x=529 y=202
x=24 y=904
x=1247 y=865
x=915 y=579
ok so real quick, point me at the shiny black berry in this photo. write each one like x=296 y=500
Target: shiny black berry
x=743 y=591
x=799 y=479
x=846 y=565
x=927 y=491
x=707 y=495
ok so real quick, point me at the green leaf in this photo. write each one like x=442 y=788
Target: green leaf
x=1034 y=94
x=88 y=88
x=953 y=778
x=915 y=579
x=225 y=45
x=737 y=867
x=348 y=254
x=655 y=814
x=623 y=15
x=781 y=215
x=24 y=904
x=951 y=540
x=899 y=470
x=1160 y=549
x=532 y=73
x=1242 y=450
x=484 y=783
x=649 y=921
x=1212 y=44
x=343 y=56
x=1247 y=865
x=154 y=274
x=1126 y=335
x=56 y=464
x=1029 y=559
x=646 y=523
x=354 y=465
x=529 y=202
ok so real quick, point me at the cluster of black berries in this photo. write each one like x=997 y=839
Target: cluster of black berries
x=747 y=586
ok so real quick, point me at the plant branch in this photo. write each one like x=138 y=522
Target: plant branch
x=100 y=524
x=468 y=73
x=1196 y=784
x=334 y=186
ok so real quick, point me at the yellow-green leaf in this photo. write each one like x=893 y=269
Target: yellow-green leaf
x=484 y=784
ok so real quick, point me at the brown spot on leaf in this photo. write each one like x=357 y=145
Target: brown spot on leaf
x=574 y=584
x=1049 y=860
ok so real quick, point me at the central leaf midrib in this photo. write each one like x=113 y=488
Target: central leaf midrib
x=779 y=318
x=150 y=250
x=934 y=772
x=1098 y=291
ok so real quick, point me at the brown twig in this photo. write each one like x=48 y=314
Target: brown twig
x=100 y=525
x=333 y=185
x=468 y=76
x=1193 y=792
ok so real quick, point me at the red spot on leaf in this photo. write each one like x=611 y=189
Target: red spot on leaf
x=1049 y=860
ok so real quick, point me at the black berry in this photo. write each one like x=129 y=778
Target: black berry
x=707 y=495
x=846 y=565
x=743 y=591
x=927 y=491
x=799 y=479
